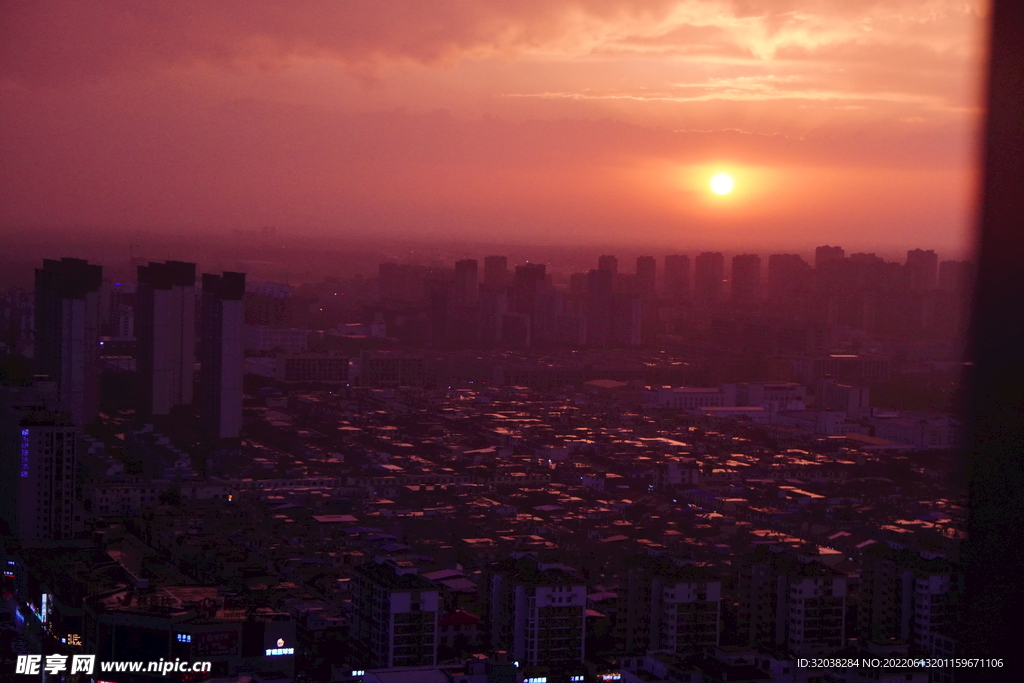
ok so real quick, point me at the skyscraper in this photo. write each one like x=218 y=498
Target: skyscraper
x=221 y=361
x=746 y=279
x=646 y=276
x=67 y=329
x=529 y=279
x=466 y=282
x=826 y=254
x=598 y=309
x=493 y=304
x=709 y=269
x=608 y=263
x=165 y=326
x=830 y=270
x=677 y=277
x=788 y=277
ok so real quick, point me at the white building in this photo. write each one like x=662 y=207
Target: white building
x=538 y=612
x=394 y=615
x=689 y=398
x=38 y=457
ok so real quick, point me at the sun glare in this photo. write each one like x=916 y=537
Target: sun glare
x=722 y=183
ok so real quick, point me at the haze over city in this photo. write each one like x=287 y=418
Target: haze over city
x=509 y=341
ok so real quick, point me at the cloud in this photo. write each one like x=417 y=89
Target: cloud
x=56 y=41
x=232 y=112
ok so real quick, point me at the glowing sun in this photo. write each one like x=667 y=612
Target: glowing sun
x=722 y=183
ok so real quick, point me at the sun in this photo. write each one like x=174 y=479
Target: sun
x=722 y=183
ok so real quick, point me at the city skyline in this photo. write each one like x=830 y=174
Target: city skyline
x=510 y=341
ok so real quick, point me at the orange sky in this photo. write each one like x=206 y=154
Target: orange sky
x=842 y=121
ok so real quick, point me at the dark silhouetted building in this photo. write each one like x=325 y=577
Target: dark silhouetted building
x=708 y=273
x=165 y=327
x=466 y=282
x=529 y=279
x=788 y=278
x=221 y=361
x=746 y=279
x=826 y=254
x=677 y=277
x=67 y=333
x=646 y=276
x=599 y=307
x=608 y=263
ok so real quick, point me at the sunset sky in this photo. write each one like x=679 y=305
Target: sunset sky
x=841 y=121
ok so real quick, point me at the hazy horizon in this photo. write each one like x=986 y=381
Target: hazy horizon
x=543 y=123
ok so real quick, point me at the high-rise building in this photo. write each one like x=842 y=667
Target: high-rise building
x=646 y=276
x=165 y=327
x=440 y=309
x=905 y=595
x=608 y=263
x=221 y=362
x=830 y=272
x=788 y=277
x=921 y=269
x=394 y=616
x=67 y=333
x=38 y=477
x=677 y=277
x=708 y=272
x=516 y=330
x=746 y=279
x=530 y=278
x=671 y=606
x=496 y=271
x=466 y=282
x=537 y=612
x=626 y=320
x=493 y=304
x=794 y=602
x=826 y=254
x=598 y=309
